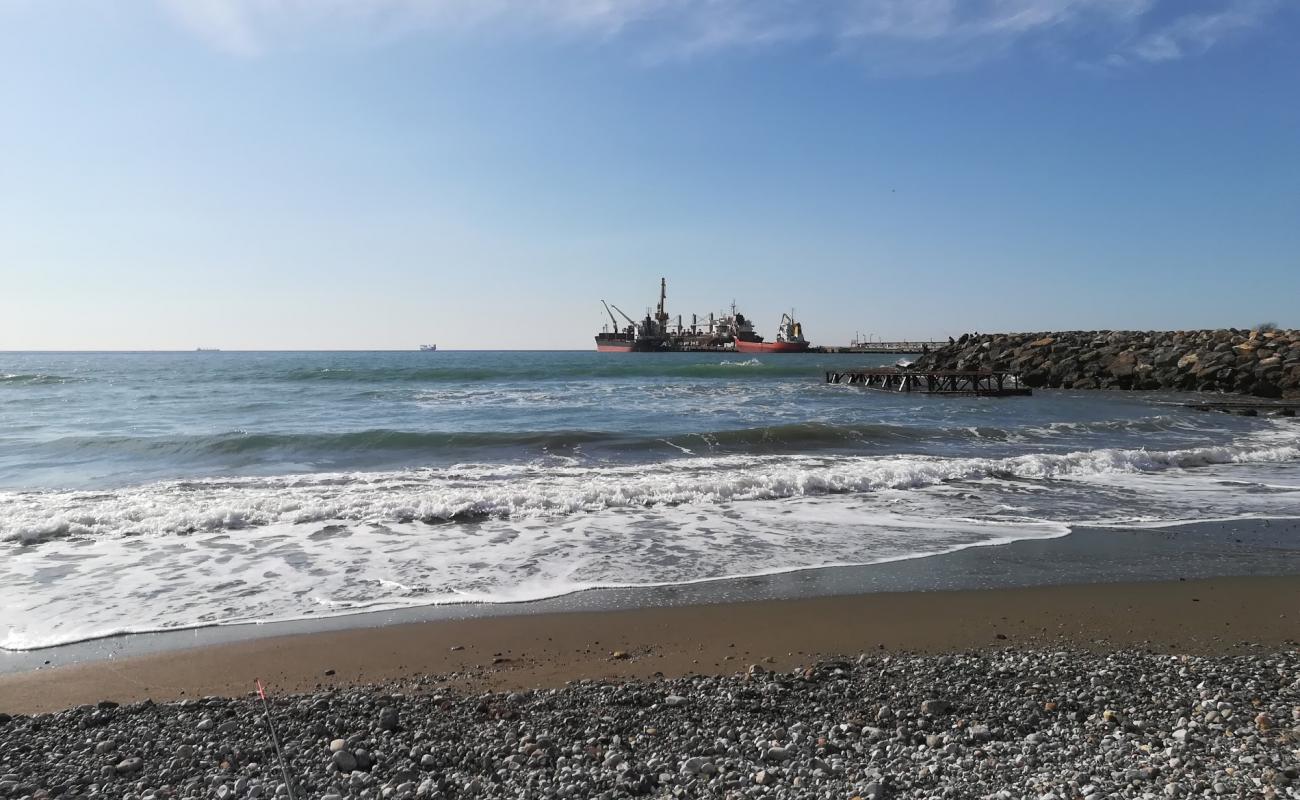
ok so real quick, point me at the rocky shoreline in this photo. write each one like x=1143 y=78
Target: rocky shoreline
x=997 y=724
x=1259 y=363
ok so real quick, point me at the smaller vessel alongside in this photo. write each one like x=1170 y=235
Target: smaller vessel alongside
x=789 y=339
x=428 y=348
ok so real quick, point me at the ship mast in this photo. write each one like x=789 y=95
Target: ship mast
x=662 y=316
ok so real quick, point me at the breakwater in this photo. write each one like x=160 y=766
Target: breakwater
x=1258 y=363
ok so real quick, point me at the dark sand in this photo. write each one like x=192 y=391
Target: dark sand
x=1209 y=616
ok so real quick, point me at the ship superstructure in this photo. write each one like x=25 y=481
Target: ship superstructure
x=648 y=335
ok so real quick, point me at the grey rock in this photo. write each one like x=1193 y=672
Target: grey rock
x=343 y=761
x=932 y=708
x=777 y=754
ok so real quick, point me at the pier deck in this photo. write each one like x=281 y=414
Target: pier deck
x=945 y=382
x=899 y=348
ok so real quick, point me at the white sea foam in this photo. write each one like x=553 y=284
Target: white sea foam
x=146 y=584
x=523 y=491
x=222 y=551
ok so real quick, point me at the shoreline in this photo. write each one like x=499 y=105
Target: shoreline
x=1212 y=588
x=1086 y=555
x=1212 y=616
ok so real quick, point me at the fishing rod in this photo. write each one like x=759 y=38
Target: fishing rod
x=275 y=740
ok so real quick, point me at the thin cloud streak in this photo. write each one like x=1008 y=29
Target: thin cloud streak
x=1194 y=34
x=929 y=34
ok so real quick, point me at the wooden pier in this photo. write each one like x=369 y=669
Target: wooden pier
x=946 y=382
x=899 y=348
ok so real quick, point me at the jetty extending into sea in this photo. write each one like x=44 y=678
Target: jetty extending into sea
x=978 y=383
x=1264 y=362
x=897 y=348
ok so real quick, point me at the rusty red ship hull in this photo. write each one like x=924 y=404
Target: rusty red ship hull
x=770 y=347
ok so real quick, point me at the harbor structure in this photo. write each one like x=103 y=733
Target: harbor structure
x=980 y=383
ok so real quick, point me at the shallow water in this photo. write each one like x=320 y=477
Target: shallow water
x=161 y=490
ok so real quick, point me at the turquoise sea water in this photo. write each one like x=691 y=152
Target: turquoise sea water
x=152 y=490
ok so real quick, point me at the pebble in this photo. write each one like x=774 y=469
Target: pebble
x=344 y=761
x=1129 y=725
x=777 y=754
x=933 y=708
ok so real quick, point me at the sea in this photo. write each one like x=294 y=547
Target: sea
x=157 y=491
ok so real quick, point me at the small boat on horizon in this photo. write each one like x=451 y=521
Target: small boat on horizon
x=789 y=339
x=207 y=349
x=428 y=348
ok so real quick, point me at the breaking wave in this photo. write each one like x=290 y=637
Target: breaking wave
x=472 y=492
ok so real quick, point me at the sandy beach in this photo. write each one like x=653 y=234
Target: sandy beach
x=1207 y=616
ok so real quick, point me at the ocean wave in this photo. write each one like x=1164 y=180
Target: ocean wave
x=34 y=379
x=1156 y=424
x=643 y=366
x=308 y=444
x=472 y=492
x=759 y=440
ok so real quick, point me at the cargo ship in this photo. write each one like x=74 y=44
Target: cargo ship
x=647 y=336
x=658 y=333
x=789 y=339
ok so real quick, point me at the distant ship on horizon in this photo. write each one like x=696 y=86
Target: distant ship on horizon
x=207 y=349
x=724 y=332
x=428 y=348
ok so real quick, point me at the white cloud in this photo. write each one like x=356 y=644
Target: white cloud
x=928 y=33
x=1193 y=34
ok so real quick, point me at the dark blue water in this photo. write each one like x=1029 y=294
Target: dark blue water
x=166 y=489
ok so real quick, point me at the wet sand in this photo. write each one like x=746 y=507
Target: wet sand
x=1202 y=616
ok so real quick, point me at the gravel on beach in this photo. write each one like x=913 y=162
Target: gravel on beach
x=999 y=724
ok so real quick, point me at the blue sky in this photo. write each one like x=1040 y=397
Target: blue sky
x=481 y=173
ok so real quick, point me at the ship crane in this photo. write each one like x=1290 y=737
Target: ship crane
x=612 y=319
x=608 y=306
